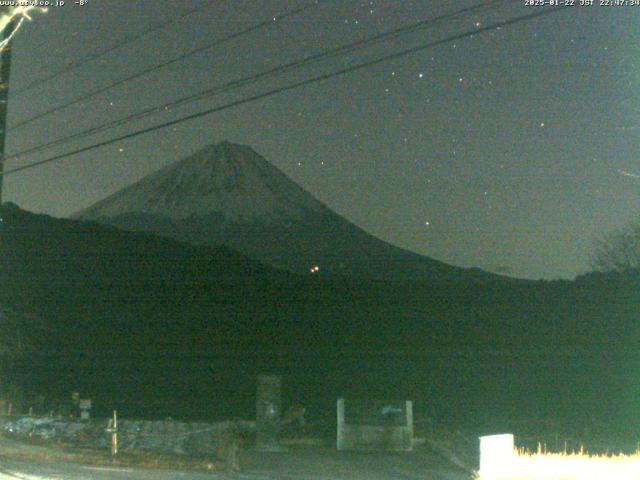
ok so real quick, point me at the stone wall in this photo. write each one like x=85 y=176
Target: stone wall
x=165 y=436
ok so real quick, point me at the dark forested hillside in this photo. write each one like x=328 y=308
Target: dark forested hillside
x=130 y=315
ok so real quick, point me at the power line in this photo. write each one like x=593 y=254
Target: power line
x=102 y=52
x=293 y=86
x=165 y=64
x=258 y=76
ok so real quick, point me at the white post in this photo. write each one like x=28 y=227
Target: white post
x=409 y=409
x=340 y=424
x=496 y=456
x=112 y=428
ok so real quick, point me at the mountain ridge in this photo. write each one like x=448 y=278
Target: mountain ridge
x=216 y=178
x=227 y=194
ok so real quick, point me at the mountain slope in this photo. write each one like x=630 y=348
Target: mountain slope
x=154 y=327
x=227 y=194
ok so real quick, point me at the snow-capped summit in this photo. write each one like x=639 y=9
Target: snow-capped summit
x=227 y=194
x=231 y=180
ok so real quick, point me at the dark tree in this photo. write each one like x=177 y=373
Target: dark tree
x=618 y=251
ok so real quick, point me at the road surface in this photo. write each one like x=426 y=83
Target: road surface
x=298 y=463
x=373 y=470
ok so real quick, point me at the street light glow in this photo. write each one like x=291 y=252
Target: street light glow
x=12 y=13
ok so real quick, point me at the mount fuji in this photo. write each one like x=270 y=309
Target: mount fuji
x=227 y=194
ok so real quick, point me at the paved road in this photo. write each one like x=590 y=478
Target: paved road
x=29 y=470
x=23 y=470
x=295 y=464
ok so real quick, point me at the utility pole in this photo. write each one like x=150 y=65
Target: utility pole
x=5 y=68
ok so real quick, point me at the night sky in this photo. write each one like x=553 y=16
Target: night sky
x=511 y=150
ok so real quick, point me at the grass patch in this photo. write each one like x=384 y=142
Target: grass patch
x=565 y=466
